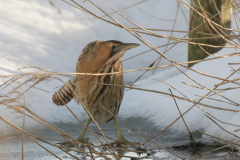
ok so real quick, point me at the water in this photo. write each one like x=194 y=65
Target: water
x=11 y=145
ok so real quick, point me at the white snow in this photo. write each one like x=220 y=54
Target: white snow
x=34 y=33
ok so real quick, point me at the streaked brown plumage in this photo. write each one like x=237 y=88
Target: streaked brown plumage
x=97 y=57
x=65 y=92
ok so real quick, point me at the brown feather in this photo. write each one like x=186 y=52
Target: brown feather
x=97 y=57
x=65 y=93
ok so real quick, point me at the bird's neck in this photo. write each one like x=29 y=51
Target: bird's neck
x=98 y=68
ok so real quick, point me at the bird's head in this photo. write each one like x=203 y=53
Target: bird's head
x=100 y=53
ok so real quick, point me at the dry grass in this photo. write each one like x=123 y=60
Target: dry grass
x=14 y=98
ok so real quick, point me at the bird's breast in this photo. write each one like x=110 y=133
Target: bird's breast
x=94 y=96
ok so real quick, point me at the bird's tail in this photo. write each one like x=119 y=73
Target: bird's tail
x=65 y=93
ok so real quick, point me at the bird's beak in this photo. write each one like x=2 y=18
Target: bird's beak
x=126 y=46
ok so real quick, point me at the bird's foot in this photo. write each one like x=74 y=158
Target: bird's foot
x=122 y=142
x=68 y=144
x=82 y=140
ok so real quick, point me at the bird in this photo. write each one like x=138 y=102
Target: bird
x=97 y=57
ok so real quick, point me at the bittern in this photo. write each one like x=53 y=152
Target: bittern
x=97 y=57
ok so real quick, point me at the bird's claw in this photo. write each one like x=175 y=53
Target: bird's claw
x=70 y=144
x=122 y=142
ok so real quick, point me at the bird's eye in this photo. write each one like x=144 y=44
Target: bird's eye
x=113 y=47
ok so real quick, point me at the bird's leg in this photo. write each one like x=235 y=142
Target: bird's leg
x=81 y=137
x=120 y=136
x=121 y=141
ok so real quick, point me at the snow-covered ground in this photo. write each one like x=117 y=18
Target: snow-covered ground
x=34 y=32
